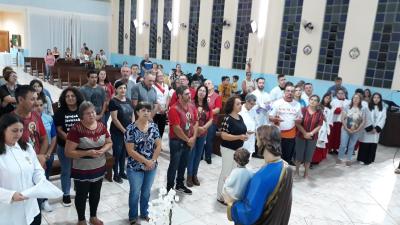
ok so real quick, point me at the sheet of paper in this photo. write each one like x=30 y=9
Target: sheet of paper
x=44 y=189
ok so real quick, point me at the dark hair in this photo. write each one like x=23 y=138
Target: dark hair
x=352 y=103
x=22 y=91
x=91 y=72
x=308 y=84
x=236 y=77
x=241 y=156
x=338 y=78
x=340 y=89
x=359 y=91
x=323 y=103
x=368 y=91
x=134 y=65
x=7 y=68
x=42 y=96
x=372 y=104
x=7 y=74
x=198 y=68
x=105 y=80
x=77 y=93
x=281 y=75
x=5 y=121
x=269 y=138
x=319 y=108
x=205 y=102
x=33 y=82
x=298 y=86
x=260 y=78
x=288 y=84
x=142 y=105
x=230 y=104
x=223 y=78
x=179 y=90
x=83 y=107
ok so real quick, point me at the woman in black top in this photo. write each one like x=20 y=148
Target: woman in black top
x=7 y=92
x=121 y=116
x=234 y=133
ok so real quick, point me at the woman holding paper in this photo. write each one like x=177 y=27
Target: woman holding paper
x=19 y=170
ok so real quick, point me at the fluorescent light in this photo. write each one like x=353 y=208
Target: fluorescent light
x=253 y=25
x=136 y=23
x=169 y=25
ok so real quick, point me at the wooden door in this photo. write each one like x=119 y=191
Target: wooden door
x=4 y=41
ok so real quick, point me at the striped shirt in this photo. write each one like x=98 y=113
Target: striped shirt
x=88 y=168
x=310 y=122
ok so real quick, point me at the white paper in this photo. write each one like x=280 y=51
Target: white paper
x=44 y=189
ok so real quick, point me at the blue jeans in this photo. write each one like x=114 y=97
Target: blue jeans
x=49 y=166
x=179 y=153
x=65 y=164
x=119 y=153
x=140 y=183
x=347 y=142
x=210 y=140
x=194 y=156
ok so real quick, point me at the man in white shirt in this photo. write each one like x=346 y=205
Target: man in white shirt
x=277 y=92
x=249 y=114
x=263 y=101
x=285 y=112
x=308 y=91
x=134 y=73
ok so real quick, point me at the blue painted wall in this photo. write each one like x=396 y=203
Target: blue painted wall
x=215 y=74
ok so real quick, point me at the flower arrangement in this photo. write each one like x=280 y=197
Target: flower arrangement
x=160 y=209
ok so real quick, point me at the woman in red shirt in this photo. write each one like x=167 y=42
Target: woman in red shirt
x=109 y=89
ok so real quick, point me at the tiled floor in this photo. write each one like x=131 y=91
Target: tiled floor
x=334 y=195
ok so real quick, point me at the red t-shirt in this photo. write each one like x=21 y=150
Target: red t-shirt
x=310 y=122
x=214 y=101
x=174 y=98
x=185 y=119
x=204 y=116
x=33 y=130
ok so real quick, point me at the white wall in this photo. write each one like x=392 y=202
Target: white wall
x=228 y=33
x=205 y=18
x=14 y=23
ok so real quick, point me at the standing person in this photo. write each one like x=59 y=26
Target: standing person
x=49 y=61
x=353 y=120
x=110 y=91
x=134 y=73
x=263 y=101
x=95 y=94
x=145 y=92
x=87 y=142
x=183 y=81
x=323 y=138
x=298 y=92
x=121 y=116
x=176 y=73
x=19 y=171
x=205 y=117
x=145 y=65
x=278 y=91
x=338 y=105
x=197 y=76
x=234 y=85
x=103 y=56
x=154 y=69
x=262 y=202
x=224 y=89
x=7 y=92
x=233 y=135
x=248 y=113
x=248 y=85
x=38 y=86
x=215 y=104
x=68 y=55
x=308 y=92
x=336 y=87
x=126 y=79
x=370 y=136
x=56 y=53
x=183 y=125
x=98 y=63
x=64 y=119
x=285 y=112
x=143 y=144
x=367 y=95
x=307 y=135
x=162 y=99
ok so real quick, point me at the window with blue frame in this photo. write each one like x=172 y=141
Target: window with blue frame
x=132 y=41
x=216 y=32
x=242 y=34
x=384 y=45
x=289 y=36
x=153 y=29
x=121 y=27
x=193 y=31
x=166 y=40
x=332 y=39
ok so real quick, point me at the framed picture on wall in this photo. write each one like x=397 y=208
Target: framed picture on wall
x=16 y=40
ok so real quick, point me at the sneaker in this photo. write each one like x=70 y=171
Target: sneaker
x=118 y=179
x=196 y=181
x=183 y=189
x=67 y=201
x=123 y=176
x=46 y=206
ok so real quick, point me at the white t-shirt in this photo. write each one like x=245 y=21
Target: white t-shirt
x=276 y=93
x=235 y=185
x=162 y=97
x=262 y=107
x=287 y=111
x=336 y=103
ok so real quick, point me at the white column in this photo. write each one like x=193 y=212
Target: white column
x=179 y=37
x=204 y=31
x=228 y=33
x=127 y=18
x=358 y=33
x=113 y=40
x=143 y=32
x=306 y=65
x=160 y=27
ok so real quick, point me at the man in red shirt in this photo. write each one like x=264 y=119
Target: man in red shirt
x=184 y=81
x=34 y=131
x=183 y=125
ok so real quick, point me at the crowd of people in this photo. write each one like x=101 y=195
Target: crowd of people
x=288 y=126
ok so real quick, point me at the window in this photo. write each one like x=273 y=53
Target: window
x=121 y=27
x=216 y=32
x=153 y=29
x=242 y=34
x=193 y=31
x=132 y=41
x=166 y=42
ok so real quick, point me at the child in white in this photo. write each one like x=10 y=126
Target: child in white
x=236 y=184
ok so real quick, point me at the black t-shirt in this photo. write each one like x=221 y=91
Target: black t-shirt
x=4 y=92
x=65 y=119
x=124 y=112
x=233 y=126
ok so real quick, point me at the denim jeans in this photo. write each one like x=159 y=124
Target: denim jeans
x=179 y=153
x=347 y=142
x=194 y=156
x=210 y=140
x=49 y=166
x=65 y=164
x=119 y=153
x=48 y=72
x=140 y=183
